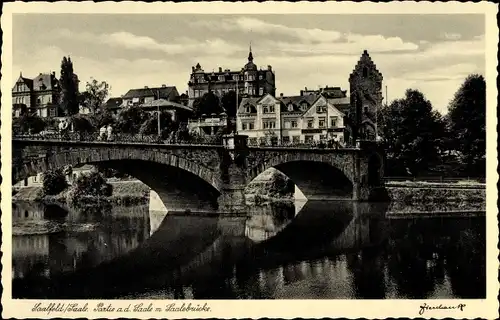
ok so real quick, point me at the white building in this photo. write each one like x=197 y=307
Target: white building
x=298 y=119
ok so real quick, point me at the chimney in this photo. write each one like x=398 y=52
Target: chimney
x=305 y=88
x=163 y=86
x=269 y=68
x=220 y=69
x=281 y=95
x=146 y=87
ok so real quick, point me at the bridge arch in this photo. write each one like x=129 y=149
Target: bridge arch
x=181 y=183
x=320 y=176
x=94 y=156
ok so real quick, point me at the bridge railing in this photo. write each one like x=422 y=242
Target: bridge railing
x=302 y=145
x=118 y=138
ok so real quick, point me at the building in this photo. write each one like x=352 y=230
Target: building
x=323 y=115
x=39 y=95
x=250 y=81
x=297 y=119
x=136 y=97
x=164 y=98
x=366 y=98
x=113 y=105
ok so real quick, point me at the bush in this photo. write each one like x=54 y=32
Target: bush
x=91 y=185
x=54 y=182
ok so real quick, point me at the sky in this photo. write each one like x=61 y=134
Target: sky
x=432 y=53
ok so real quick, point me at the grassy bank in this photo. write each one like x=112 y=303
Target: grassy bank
x=124 y=193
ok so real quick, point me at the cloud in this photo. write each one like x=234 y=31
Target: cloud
x=127 y=40
x=312 y=39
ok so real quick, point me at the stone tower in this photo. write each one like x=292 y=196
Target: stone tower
x=366 y=98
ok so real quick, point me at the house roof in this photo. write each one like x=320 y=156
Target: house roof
x=165 y=103
x=296 y=101
x=113 y=103
x=45 y=81
x=252 y=101
x=160 y=92
x=339 y=101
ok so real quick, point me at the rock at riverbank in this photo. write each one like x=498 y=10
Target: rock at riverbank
x=271 y=184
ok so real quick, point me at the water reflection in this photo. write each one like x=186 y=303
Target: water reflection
x=52 y=239
x=325 y=250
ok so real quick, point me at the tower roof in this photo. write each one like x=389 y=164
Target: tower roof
x=250 y=65
x=365 y=61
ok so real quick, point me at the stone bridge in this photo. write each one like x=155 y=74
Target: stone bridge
x=211 y=177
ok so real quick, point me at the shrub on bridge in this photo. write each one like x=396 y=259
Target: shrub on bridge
x=54 y=182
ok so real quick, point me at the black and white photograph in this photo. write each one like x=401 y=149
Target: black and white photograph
x=245 y=155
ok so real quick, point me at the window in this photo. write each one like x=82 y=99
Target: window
x=322 y=122
x=322 y=137
x=52 y=112
x=310 y=123
x=304 y=106
x=34 y=178
x=286 y=139
x=294 y=124
x=18 y=113
x=261 y=77
x=243 y=126
x=250 y=126
x=221 y=78
x=269 y=124
x=333 y=122
x=290 y=107
x=251 y=77
x=287 y=125
x=320 y=109
x=235 y=77
x=309 y=138
x=261 y=91
x=38 y=100
x=265 y=109
x=365 y=72
x=271 y=109
x=296 y=139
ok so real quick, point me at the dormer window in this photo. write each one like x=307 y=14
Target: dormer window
x=290 y=107
x=221 y=78
x=265 y=109
x=304 y=106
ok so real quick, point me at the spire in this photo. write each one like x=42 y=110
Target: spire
x=250 y=56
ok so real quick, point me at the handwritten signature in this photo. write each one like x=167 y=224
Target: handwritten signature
x=425 y=307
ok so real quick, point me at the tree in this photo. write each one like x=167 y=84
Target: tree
x=130 y=120
x=229 y=103
x=207 y=104
x=54 y=182
x=94 y=96
x=102 y=118
x=92 y=184
x=28 y=124
x=82 y=124
x=412 y=134
x=167 y=125
x=69 y=88
x=467 y=115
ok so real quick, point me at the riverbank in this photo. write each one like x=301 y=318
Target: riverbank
x=415 y=197
x=127 y=192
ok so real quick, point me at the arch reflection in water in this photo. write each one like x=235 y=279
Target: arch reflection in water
x=327 y=250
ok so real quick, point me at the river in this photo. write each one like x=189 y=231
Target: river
x=312 y=250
